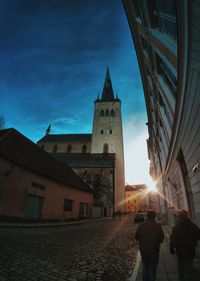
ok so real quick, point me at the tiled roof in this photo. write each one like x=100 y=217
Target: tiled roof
x=67 y=138
x=135 y=187
x=130 y=188
x=87 y=160
x=20 y=150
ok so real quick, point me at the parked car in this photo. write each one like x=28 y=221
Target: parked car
x=139 y=217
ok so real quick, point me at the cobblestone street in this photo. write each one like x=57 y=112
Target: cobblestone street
x=93 y=251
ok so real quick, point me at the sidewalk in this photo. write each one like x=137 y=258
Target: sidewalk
x=167 y=267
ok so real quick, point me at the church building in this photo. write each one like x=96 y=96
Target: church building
x=98 y=158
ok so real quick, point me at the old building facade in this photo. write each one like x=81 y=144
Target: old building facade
x=98 y=158
x=167 y=41
x=138 y=198
x=36 y=186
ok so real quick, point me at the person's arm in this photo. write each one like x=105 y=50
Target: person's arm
x=161 y=234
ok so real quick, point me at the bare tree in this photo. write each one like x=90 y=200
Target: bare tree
x=2 y=122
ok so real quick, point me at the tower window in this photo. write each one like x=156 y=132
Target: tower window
x=84 y=149
x=105 y=148
x=107 y=112
x=55 y=148
x=69 y=149
x=111 y=132
x=102 y=132
x=102 y=113
x=112 y=112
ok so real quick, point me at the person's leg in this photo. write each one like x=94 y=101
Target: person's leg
x=181 y=270
x=153 y=268
x=145 y=269
x=188 y=270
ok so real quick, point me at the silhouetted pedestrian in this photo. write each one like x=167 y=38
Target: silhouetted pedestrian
x=183 y=240
x=149 y=235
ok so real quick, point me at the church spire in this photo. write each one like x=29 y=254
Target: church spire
x=107 y=94
x=48 y=130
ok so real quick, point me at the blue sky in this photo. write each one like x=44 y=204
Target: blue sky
x=54 y=55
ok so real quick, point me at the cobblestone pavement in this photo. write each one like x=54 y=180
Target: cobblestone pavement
x=94 y=251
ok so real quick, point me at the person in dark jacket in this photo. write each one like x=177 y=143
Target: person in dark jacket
x=184 y=237
x=149 y=235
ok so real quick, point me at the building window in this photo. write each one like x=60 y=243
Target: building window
x=69 y=149
x=166 y=111
x=107 y=112
x=84 y=149
x=43 y=147
x=137 y=9
x=166 y=15
x=144 y=43
x=105 y=148
x=111 y=132
x=166 y=74
x=112 y=112
x=55 y=148
x=102 y=132
x=102 y=113
x=68 y=205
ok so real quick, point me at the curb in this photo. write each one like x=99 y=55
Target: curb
x=57 y=224
x=136 y=267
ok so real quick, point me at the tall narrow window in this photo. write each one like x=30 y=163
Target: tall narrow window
x=68 y=205
x=55 y=148
x=102 y=113
x=69 y=149
x=111 y=132
x=105 y=148
x=107 y=112
x=112 y=112
x=101 y=132
x=84 y=149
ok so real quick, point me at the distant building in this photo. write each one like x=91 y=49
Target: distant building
x=137 y=198
x=34 y=185
x=167 y=41
x=98 y=158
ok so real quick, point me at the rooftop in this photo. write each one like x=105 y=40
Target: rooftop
x=20 y=150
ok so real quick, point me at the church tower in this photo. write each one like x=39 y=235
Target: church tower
x=107 y=135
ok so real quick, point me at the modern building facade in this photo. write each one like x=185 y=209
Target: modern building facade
x=36 y=186
x=167 y=41
x=98 y=158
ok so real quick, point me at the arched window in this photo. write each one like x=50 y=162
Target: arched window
x=55 y=148
x=112 y=112
x=102 y=113
x=105 y=148
x=69 y=148
x=84 y=149
x=107 y=112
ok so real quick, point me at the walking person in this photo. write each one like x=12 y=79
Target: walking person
x=184 y=237
x=149 y=235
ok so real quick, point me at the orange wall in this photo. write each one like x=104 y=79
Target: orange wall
x=15 y=186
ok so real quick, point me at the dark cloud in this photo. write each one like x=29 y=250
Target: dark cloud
x=54 y=54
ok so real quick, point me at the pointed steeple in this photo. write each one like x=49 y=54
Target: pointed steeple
x=107 y=94
x=48 y=130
